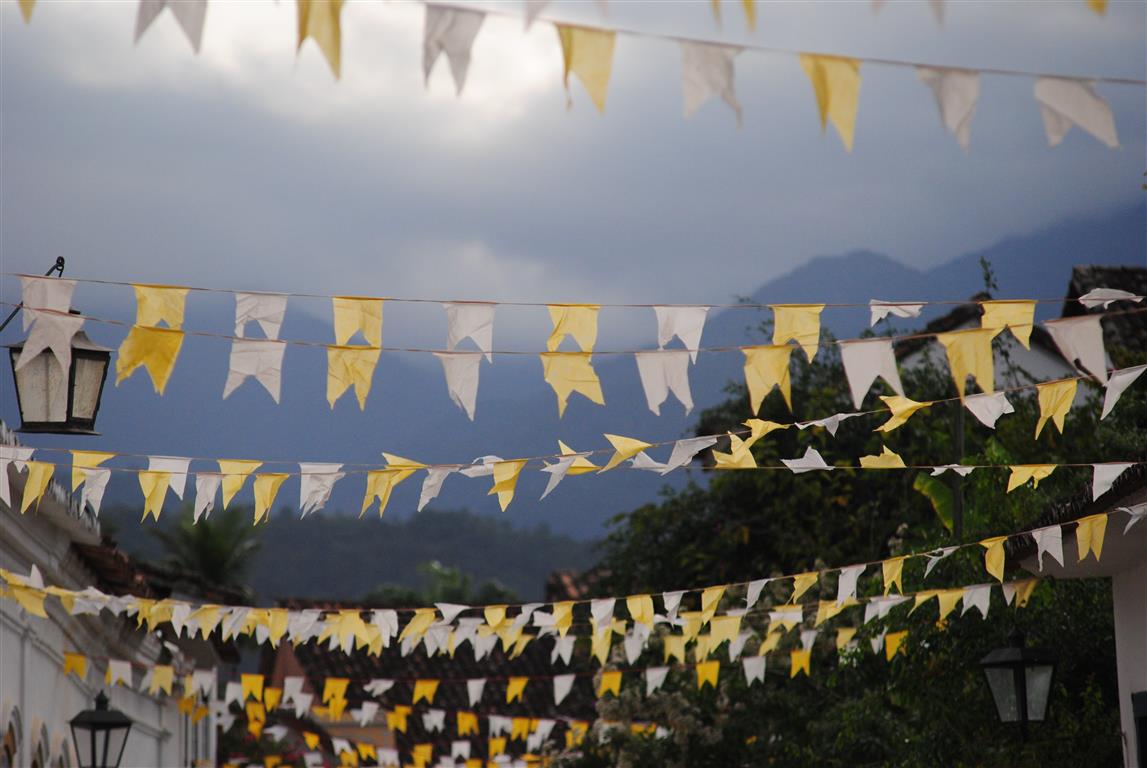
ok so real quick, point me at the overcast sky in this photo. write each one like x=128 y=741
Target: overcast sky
x=248 y=166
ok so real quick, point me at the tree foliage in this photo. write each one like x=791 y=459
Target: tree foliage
x=219 y=548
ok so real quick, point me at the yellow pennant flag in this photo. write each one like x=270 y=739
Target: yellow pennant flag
x=495 y=746
x=515 y=687
x=799 y=662
x=587 y=53
x=1021 y=473
x=801 y=584
x=994 y=556
x=252 y=686
x=155 y=304
x=771 y=641
x=162 y=678
x=610 y=683
x=419 y=623
x=82 y=460
x=1089 y=535
x=319 y=19
x=739 y=456
x=311 y=739
x=750 y=8
x=674 y=646
x=1024 y=591
x=569 y=372
x=948 y=598
x=640 y=609
x=563 y=616
x=156 y=349
x=844 y=636
x=379 y=484
x=599 y=645
x=707 y=672
x=75 y=664
x=724 y=628
x=505 y=480
x=357 y=315
x=970 y=354
x=154 y=486
x=710 y=599
x=828 y=609
x=1099 y=6
x=799 y=323
x=495 y=616
x=39 y=476
x=334 y=689
x=902 y=409
x=766 y=367
x=894 y=643
x=467 y=723
x=886 y=460
x=1017 y=315
x=26 y=7
x=623 y=448
x=893 y=571
x=235 y=472
x=272 y=697
x=396 y=719
x=272 y=761
x=836 y=84
x=347 y=367
x=519 y=728
x=581 y=465
x=1055 y=399
x=576 y=320
x=30 y=599
x=424 y=689
x=266 y=488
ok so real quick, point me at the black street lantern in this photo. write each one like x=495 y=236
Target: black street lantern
x=100 y=735
x=1020 y=681
x=52 y=400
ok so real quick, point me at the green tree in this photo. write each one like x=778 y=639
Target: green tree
x=219 y=548
x=443 y=584
x=930 y=706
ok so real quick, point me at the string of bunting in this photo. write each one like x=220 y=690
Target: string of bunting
x=708 y=68
x=155 y=340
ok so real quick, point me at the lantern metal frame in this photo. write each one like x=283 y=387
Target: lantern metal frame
x=1022 y=662
x=92 y=723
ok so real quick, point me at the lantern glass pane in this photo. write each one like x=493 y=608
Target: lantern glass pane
x=43 y=388
x=1002 y=681
x=117 y=738
x=84 y=739
x=89 y=380
x=1038 y=685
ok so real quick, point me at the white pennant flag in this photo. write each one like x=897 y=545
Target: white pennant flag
x=50 y=332
x=432 y=485
x=1105 y=296
x=266 y=309
x=450 y=31
x=808 y=637
x=935 y=557
x=634 y=642
x=49 y=293
x=810 y=462
x=846 y=584
x=367 y=712
x=642 y=461
x=459 y=750
x=176 y=466
x=1137 y=513
x=864 y=361
x=684 y=450
x=498 y=725
x=540 y=735
x=684 y=322
x=882 y=309
x=662 y=372
x=475 y=687
x=524 y=613
x=754 y=592
x=15 y=455
x=707 y=70
x=978 y=597
x=737 y=645
x=292 y=687
x=461 y=369
x=316 y=481
x=602 y=612
x=655 y=678
x=959 y=469
x=988 y=407
x=95 y=483
x=191 y=14
x=433 y=720
x=378 y=687
x=956 y=92
x=1116 y=385
x=450 y=611
x=534 y=9
x=562 y=686
x=563 y=649
x=482 y=648
x=1104 y=477
x=831 y=423
x=672 y=601
x=754 y=667
x=118 y=672
x=259 y=358
x=483 y=466
x=206 y=487
x=1049 y=540
x=1081 y=338
x=303 y=704
x=203 y=682
x=1064 y=102
x=558 y=470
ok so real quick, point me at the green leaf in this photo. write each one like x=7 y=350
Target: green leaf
x=937 y=492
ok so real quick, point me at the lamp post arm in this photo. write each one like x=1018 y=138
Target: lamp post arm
x=58 y=267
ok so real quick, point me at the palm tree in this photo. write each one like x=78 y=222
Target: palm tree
x=218 y=548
